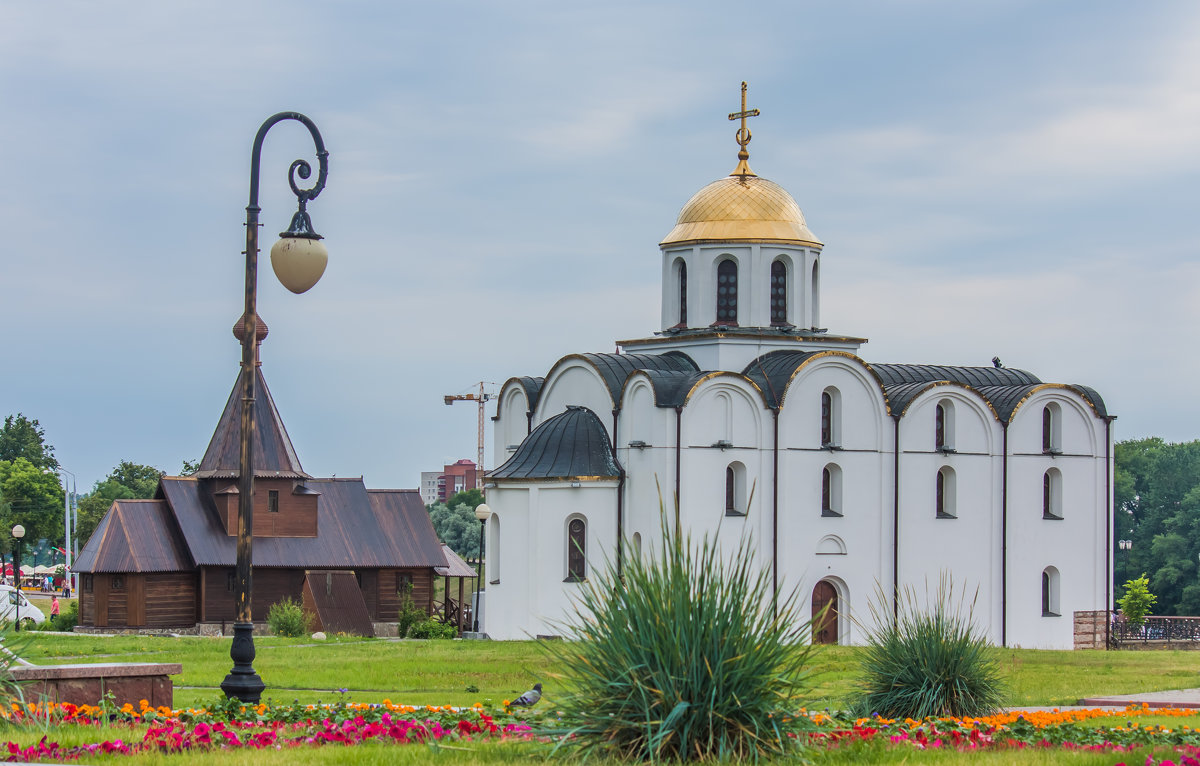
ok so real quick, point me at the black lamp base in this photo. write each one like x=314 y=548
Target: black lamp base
x=242 y=682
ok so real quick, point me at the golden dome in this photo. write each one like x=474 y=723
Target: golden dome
x=742 y=207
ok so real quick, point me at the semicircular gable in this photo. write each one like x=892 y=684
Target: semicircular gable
x=965 y=400
x=742 y=397
x=614 y=369
x=900 y=398
x=1007 y=400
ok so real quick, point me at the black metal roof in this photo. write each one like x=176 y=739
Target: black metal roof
x=615 y=369
x=569 y=445
x=671 y=387
x=1093 y=396
x=975 y=377
x=771 y=373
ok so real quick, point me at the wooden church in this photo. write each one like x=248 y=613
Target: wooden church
x=169 y=562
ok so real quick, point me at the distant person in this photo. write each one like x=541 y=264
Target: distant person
x=54 y=607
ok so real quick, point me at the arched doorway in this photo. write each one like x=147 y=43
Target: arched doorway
x=825 y=626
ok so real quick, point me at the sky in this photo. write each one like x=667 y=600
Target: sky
x=1012 y=179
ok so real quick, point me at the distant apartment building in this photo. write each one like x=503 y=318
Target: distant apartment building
x=439 y=486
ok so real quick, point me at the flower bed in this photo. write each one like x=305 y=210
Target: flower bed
x=231 y=725
x=1021 y=729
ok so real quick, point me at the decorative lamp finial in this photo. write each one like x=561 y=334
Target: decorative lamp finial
x=743 y=136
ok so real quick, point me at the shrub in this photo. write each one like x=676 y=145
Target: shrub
x=1137 y=601
x=929 y=661
x=288 y=618
x=433 y=629
x=410 y=613
x=65 y=621
x=683 y=658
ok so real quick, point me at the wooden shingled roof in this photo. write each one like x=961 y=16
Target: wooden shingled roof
x=135 y=536
x=273 y=453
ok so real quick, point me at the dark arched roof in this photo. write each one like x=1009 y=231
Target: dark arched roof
x=900 y=396
x=671 y=387
x=532 y=387
x=975 y=377
x=1094 y=397
x=572 y=444
x=771 y=372
x=615 y=369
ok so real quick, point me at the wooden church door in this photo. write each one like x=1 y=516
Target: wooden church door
x=825 y=627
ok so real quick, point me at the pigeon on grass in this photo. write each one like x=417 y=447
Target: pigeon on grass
x=529 y=698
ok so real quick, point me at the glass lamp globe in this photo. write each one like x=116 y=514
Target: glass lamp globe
x=299 y=262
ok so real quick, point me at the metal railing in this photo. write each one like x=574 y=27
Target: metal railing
x=1155 y=630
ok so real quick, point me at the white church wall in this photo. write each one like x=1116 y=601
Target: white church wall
x=506 y=613
x=512 y=425
x=1073 y=545
x=532 y=598
x=573 y=381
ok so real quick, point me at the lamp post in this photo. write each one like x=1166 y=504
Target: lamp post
x=482 y=512
x=17 y=532
x=68 y=527
x=1125 y=546
x=298 y=260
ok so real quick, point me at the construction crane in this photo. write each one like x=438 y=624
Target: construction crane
x=482 y=398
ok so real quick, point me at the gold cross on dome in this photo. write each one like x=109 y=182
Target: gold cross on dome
x=743 y=133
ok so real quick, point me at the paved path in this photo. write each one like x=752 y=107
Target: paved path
x=1174 y=698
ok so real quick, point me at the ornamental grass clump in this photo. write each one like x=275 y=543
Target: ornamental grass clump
x=930 y=660
x=682 y=658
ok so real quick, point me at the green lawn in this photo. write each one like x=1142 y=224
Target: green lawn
x=441 y=672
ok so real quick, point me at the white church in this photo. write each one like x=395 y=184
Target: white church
x=850 y=477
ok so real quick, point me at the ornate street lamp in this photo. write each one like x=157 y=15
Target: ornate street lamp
x=298 y=259
x=18 y=532
x=1124 y=545
x=482 y=512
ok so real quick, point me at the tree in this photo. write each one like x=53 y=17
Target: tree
x=1158 y=508
x=457 y=527
x=22 y=437
x=35 y=500
x=189 y=467
x=127 y=481
x=1137 y=601
x=471 y=498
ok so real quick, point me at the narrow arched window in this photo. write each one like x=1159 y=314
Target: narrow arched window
x=831 y=416
x=1050 y=592
x=1052 y=494
x=944 y=498
x=491 y=555
x=727 y=292
x=779 y=293
x=1052 y=429
x=826 y=481
x=831 y=490
x=939 y=427
x=682 y=294
x=735 y=490
x=730 y=490
x=576 y=550
x=826 y=419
